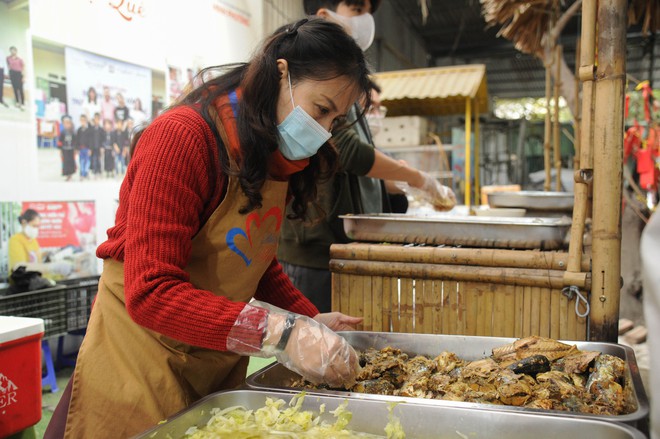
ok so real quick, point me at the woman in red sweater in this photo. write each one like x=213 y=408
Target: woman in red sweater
x=196 y=234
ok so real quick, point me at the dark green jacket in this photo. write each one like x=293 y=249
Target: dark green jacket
x=308 y=243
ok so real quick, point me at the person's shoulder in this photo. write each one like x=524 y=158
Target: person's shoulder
x=186 y=119
x=16 y=238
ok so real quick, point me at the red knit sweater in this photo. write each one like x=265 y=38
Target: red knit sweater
x=172 y=186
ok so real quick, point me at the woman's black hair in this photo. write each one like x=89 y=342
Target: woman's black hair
x=375 y=87
x=314 y=49
x=28 y=216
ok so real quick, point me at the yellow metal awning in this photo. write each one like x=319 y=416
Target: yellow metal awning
x=437 y=91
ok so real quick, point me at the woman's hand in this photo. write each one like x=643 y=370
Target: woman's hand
x=309 y=348
x=337 y=321
x=440 y=196
x=320 y=355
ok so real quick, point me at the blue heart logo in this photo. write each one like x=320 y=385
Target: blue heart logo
x=231 y=243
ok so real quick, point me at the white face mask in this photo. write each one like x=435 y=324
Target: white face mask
x=31 y=231
x=361 y=27
x=300 y=135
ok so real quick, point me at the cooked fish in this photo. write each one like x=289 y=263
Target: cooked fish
x=533 y=372
x=531 y=365
x=577 y=362
x=529 y=346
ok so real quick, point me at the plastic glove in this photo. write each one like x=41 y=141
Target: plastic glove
x=313 y=350
x=431 y=191
x=60 y=268
x=337 y=321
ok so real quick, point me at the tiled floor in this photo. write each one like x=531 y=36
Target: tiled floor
x=50 y=400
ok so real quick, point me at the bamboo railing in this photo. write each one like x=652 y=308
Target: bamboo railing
x=508 y=293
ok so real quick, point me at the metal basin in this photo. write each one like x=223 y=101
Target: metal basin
x=472 y=231
x=277 y=377
x=533 y=200
x=418 y=421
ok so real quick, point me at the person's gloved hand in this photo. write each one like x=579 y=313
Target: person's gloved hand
x=320 y=355
x=300 y=343
x=441 y=197
x=431 y=191
x=61 y=268
x=337 y=321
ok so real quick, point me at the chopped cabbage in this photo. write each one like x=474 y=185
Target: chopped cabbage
x=277 y=420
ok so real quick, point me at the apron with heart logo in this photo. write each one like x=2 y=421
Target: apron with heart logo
x=129 y=378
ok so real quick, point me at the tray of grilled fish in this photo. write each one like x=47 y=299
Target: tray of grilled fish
x=470 y=231
x=534 y=374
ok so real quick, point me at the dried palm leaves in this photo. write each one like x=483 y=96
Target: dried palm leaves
x=525 y=22
x=647 y=12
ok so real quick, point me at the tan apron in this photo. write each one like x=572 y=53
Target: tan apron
x=129 y=378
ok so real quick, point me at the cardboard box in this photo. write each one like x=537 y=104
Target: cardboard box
x=402 y=131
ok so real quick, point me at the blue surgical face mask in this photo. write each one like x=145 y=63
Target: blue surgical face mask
x=300 y=135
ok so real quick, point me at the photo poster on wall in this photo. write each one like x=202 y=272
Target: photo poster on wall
x=180 y=78
x=14 y=84
x=57 y=238
x=123 y=90
x=87 y=138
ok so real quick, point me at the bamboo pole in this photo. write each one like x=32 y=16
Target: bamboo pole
x=576 y=117
x=556 y=135
x=477 y=257
x=468 y=157
x=477 y=154
x=460 y=273
x=608 y=158
x=584 y=175
x=547 y=131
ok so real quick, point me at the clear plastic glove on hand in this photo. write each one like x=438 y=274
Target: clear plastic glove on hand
x=432 y=191
x=299 y=343
x=337 y=321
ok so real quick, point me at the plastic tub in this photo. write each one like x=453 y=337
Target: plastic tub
x=20 y=373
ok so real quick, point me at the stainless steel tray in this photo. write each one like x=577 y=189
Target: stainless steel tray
x=473 y=231
x=277 y=377
x=533 y=200
x=418 y=421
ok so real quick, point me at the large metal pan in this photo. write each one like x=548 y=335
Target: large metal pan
x=533 y=200
x=418 y=421
x=473 y=231
x=277 y=377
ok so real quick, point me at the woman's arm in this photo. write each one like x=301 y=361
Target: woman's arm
x=361 y=158
x=277 y=289
x=386 y=168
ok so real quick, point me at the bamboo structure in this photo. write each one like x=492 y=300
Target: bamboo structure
x=515 y=293
x=459 y=256
x=547 y=131
x=584 y=175
x=468 y=151
x=577 y=116
x=477 y=154
x=608 y=157
x=505 y=293
x=556 y=136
